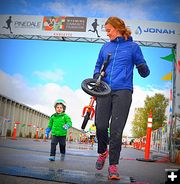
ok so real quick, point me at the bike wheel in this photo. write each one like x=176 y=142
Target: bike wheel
x=90 y=87
x=86 y=119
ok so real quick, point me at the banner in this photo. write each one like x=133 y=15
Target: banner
x=83 y=27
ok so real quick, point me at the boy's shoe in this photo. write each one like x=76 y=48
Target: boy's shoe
x=62 y=157
x=113 y=173
x=101 y=160
x=52 y=158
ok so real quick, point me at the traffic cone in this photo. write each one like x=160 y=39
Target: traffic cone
x=37 y=130
x=14 y=133
x=44 y=138
x=148 y=137
x=148 y=141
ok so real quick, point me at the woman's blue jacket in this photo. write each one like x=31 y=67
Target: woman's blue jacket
x=125 y=54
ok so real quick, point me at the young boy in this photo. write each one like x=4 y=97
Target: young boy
x=58 y=124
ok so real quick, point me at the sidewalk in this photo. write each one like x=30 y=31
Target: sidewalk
x=29 y=158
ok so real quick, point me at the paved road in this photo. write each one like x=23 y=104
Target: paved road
x=28 y=159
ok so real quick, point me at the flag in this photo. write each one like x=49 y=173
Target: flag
x=7 y=121
x=170 y=95
x=30 y=124
x=167 y=77
x=170 y=110
x=178 y=66
x=17 y=122
x=170 y=57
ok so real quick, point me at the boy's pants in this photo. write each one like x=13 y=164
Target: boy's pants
x=62 y=144
x=114 y=107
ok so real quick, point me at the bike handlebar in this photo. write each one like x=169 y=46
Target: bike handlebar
x=105 y=64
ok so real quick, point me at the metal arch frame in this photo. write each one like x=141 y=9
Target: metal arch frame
x=82 y=39
x=100 y=40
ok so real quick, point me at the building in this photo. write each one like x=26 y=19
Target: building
x=28 y=122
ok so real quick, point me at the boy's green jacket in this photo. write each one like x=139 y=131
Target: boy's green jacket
x=56 y=123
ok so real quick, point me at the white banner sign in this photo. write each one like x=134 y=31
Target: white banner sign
x=65 y=26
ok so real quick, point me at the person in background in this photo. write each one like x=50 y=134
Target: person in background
x=58 y=124
x=112 y=110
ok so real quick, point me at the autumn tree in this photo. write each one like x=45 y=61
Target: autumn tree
x=157 y=104
x=139 y=123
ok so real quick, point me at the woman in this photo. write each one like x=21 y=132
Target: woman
x=114 y=108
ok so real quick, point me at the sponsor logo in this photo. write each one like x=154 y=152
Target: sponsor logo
x=53 y=23
x=8 y=24
x=94 y=28
x=153 y=30
x=12 y=24
x=27 y=24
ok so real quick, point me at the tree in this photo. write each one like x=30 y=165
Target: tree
x=139 y=123
x=157 y=104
